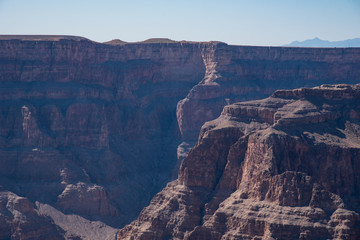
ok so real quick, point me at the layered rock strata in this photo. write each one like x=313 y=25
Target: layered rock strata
x=93 y=129
x=239 y=73
x=286 y=167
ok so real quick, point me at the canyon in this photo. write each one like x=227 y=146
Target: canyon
x=286 y=167
x=93 y=131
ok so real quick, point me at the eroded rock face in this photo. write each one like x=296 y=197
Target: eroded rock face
x=94 y=129
x=285 y=167
x=20 y=220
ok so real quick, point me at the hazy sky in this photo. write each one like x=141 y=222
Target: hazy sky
x=250 y=22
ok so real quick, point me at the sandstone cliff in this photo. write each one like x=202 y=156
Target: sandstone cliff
x=93 y=129
x=286 y=167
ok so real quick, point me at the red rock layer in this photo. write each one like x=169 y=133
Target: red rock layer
x=285 y=167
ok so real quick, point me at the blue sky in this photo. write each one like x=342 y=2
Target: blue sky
x=249 y=22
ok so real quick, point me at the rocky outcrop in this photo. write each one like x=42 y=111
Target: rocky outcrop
x=285 y=167
x=20 y=220
x=85 y=199
x=94 y=129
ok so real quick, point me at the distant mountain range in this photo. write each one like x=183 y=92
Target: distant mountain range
x=316 y=42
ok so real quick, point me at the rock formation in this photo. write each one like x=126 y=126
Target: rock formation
x=98 y=129
x=20 y=220
x=286 y=167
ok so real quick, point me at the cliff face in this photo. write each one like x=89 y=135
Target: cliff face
x=93 y=129
x=236 y=74
x=285 y=167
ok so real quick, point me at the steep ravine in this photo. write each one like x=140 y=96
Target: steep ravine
x=93 y=129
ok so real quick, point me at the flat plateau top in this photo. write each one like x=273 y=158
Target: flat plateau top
x=41 y=37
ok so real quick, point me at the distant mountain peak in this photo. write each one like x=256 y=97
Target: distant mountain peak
x=317 y=42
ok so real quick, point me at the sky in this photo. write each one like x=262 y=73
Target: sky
x=239 y=22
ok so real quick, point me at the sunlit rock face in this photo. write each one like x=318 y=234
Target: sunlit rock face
x=285 y=167
x=98 y=129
